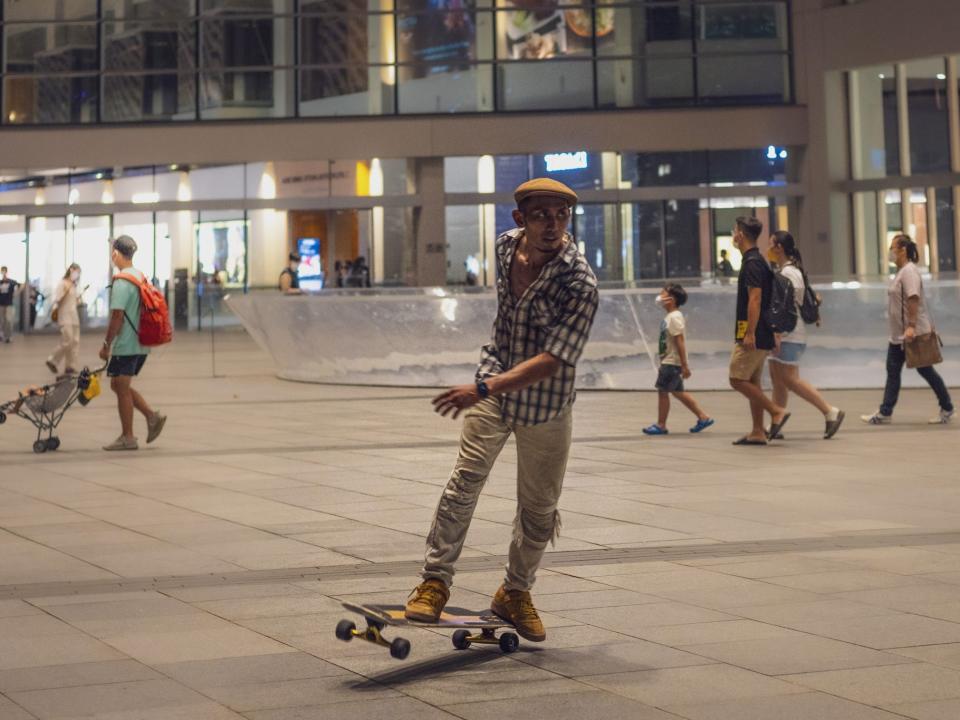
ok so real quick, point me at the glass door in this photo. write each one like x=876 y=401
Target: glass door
x=88 y=244
x=46 y=260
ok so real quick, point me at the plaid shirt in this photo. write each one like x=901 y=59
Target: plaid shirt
x=554 y=315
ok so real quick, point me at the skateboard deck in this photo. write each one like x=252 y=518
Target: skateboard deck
x=465 y=622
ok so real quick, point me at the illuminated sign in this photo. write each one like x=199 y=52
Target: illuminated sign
x=774 y=152
x=560 y=162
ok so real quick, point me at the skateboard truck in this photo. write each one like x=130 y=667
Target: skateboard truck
x=508 y=642
x=347 y=631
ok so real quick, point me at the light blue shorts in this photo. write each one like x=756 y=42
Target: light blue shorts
x=790 y=353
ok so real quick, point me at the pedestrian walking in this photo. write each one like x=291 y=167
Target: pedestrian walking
x=524 y=385
x=784 y=361
x=8 y=291
x=674 y=365
x=122 y=347
x=64 y=312
x=753 y=337
x=909 y=319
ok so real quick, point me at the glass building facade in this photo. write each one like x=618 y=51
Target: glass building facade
x=118 y=61
x=904 y=161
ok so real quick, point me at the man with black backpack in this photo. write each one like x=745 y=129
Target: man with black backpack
x=124 y=348
x=754 y=338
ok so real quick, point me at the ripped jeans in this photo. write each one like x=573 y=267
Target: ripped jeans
x=542 y=452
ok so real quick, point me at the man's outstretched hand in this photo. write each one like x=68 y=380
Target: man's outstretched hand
x=456 y=399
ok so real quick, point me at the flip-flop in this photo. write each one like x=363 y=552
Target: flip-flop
x=775 y=428
x=747 y=441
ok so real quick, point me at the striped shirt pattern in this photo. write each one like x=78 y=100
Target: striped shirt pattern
x=554 y=315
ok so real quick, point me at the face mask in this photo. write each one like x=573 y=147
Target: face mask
x=659 y=301
x=75 y=275
x=892 y=256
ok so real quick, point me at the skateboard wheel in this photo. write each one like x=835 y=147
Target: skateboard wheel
x=461 y=639
x=509 y=642
x=3 y=418
x=53 y=443
x=40 y=446
x=345 y=630
x=400 y=648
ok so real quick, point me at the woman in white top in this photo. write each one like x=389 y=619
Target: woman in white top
x=785 y=359
x=908 y=317
x=65 y=300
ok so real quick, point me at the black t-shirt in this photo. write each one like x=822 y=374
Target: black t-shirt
x=754 y=273
x=7 y=288
x=294 y=278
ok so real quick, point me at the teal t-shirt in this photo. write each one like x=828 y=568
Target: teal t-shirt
x=124 y=295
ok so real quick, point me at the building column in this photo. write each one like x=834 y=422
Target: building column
x=429 y=224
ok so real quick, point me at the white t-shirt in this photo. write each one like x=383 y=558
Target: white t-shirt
x=799 y=333
x=671 y=326
x=65 y=298
x=906 y=284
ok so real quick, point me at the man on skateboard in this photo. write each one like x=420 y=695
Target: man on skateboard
x=546 y=301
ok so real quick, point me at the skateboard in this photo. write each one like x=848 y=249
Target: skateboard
x=470 y=627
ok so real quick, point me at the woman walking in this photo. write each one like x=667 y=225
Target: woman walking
x=65 y=314
x=909 y=317
x=784 y=362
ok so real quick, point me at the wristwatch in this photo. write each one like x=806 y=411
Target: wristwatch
x=482 y=390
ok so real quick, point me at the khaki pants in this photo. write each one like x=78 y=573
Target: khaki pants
x=69 y=347
x=6 y=321
x=542 y=452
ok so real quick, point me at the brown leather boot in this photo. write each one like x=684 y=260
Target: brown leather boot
x=427 y=600
x=517 y=607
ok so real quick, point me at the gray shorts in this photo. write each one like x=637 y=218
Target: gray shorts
x=670 y=379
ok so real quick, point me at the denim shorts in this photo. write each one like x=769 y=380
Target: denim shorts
x=670 y=379
x=790 y=353
x=125 y=365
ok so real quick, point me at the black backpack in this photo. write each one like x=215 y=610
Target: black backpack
x=781 y=315
x=810 y=308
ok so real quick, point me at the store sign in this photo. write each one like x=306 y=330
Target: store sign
x=316 y=179
x=561 y=162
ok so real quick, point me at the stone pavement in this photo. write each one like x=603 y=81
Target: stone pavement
x=201 y=577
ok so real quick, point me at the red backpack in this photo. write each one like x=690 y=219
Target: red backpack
x=155 y=328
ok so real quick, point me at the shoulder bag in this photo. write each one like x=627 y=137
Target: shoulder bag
x=924 y=350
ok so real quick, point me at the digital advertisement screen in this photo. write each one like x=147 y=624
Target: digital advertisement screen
x=310 y=271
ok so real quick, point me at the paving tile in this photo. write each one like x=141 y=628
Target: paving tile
x=933 y=710
x=61 y=676
x=9 y=710
x=200 y=674
x=593 y=705
x=154 y=648
x=625 y=620
x=608 y=657
x=712 y=632
x=787 y=655
x=886 y=686
x=55 y=649
x=98 y=699
x=691 y=685
x=293 y=693
x=396 y=708
x=804 y=706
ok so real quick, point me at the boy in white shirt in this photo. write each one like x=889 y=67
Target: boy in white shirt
x=674 y=368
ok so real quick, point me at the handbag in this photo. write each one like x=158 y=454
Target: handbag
x=924 y=350
x=54 y=314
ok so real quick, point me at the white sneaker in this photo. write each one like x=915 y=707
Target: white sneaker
x=876 y=419
x=943 y=418
x=122 y=443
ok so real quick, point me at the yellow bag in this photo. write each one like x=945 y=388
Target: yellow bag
x=93 y=389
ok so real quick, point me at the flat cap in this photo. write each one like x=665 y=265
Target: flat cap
x=544 y=187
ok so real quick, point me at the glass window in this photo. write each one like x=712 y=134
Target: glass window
x=510 y=171
x=596 y=230
x=129 y=46
x=146 y=10
x=465 y=244
x=648 y=240
x=682 y=237
x=650 y=81
x=576 y=169
x=440 y=38
x=445 y=88
x=946 y=230
x=545 y=85
x=236 y=41
x=20 y=10
x=744 y=78
x=51 y=99
x=664 y=168
x=61 y=47
x=743 y=166
x=740 y=21
x=245 y=93
x=929 y=122
x=347 y=90
x=541 y=31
